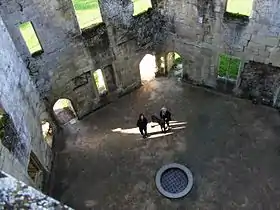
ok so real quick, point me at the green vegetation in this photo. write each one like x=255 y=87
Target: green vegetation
x=141 y=6
x=242 y=7
x=30 y=37
x=99 y=81
x=228 y=66
x=88 y=12
x=178 y=59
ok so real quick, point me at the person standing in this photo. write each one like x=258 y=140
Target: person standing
x=165 y=114
x=142 y=124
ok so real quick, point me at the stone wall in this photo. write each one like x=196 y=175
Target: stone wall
x=197 y=30
x=261 y=81
x=203 y=31
x=19 y=99
x=70 y=52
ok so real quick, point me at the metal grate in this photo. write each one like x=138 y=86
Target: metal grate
x=174 y=180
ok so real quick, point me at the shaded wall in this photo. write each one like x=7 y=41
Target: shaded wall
x=19 y=99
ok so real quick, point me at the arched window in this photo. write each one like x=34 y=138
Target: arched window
x=64 y=111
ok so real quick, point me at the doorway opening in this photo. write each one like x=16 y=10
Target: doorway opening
x=35 y=171
x=100 y=82
x=148 y=68
x=64 y=111
x=173 y=64
x=47 y=132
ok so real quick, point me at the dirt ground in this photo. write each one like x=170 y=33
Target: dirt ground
x=230 y=145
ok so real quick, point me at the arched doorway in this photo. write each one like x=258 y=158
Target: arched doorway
x=64 y=111
x=148 y=68
x=173 y=64
x=47 y=132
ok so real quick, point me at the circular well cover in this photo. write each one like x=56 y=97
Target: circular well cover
x=174 y=180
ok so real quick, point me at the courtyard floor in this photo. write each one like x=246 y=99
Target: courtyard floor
x=230 y=145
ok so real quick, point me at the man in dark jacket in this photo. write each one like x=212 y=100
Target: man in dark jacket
x=142 y=124
x=165 y=115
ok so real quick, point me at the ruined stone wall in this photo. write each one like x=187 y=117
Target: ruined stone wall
x=197 y=30
x=202 y=32
x=67 y=54
x=19 y=99
x=261 y=81
x=70 y=53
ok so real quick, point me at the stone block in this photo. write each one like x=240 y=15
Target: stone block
x=246 y=36
x=275 y=55
x=265 y=40
x=259 y=59
x=251 y=51
x=255 y=45
x=272 y=41
x=217 y=9
x=264 y=54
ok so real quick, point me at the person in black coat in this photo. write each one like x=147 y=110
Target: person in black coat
x=165 y=115
x=142 y=124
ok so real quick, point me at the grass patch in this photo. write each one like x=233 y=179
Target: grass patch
x=141 y=6
x=242 y=7
x=30 y=37
x=228 y=66
x=88 y=12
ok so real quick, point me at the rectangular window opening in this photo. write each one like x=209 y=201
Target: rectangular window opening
x=87 y=12
x=30 y=37
x=228 y=66
x=35 y=170
x=141 y=6
x=100 y=82
x=240 y=7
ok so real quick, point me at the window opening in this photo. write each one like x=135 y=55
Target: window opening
x=87 y=12
x=141 y=6
x=30 y=37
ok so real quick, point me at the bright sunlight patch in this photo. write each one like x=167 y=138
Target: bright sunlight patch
x=242 y=7
x=29 y=35
x=141 y=6
x=87 y=12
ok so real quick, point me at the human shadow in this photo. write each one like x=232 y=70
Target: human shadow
x=154 y=129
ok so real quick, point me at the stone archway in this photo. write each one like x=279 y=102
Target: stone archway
x=173 y=64
x=148 y=68
x=64 y=111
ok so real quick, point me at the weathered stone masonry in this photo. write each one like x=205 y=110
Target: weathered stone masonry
x=19 y=98
x=197 y=30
